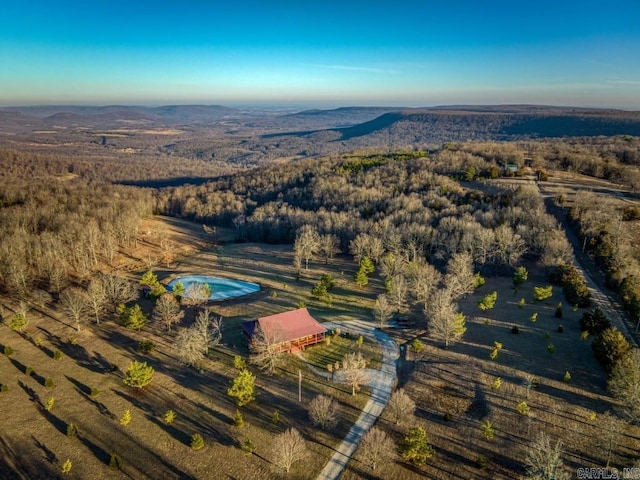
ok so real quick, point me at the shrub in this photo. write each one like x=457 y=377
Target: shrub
x=481 y=462
x=487 y=430
x=496 y=384
x=609 y=347
x=197 y=442
x=18 y=322
x=48 y=405
x=49 y=384
x=39 y=341
x=523 y=408
x=146 y=346
x=534 y=317
x=72 y=341
x=126 y=417
x=238 y=421
x=115 y=461
x=488 y=301
x=515 y=330
x=551 y=348
x=478 y=280
x=584 y=335
x=520 y=276
x=248 y=447
x=8 y=351
x=594 y=321
x=494 y=354
x=542 y=293
x=66 y=466
x=169 y=416
x=567 y=376
x=275 y=417
x=94 y=392
x=559 y=313
x=57 y=354
x=522 y=303
x=417 y=345
x=72 y=430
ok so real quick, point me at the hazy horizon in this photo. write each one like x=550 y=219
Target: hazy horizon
x=405 y=54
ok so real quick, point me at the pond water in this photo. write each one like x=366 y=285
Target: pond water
x=221 y=288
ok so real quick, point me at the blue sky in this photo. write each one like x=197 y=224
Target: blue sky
x=402 y=52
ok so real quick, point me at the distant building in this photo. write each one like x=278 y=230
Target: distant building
x=511 y=167
x=287 y=331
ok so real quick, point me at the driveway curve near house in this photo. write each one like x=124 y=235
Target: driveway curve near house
x=381 y=382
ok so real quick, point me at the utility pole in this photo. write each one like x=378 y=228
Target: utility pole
x=299 y=385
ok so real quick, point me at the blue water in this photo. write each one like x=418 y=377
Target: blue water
x=221 y=288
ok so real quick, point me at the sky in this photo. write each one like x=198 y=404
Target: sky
x=330 y=53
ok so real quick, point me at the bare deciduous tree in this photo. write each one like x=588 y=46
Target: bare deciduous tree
x=118 y=289
x=382 y=310
x=288 y=448
x=398 y=292
x=196 y=294
x=354 y=366
x=209 y=328
x=376 y=448
x=264 y=350
x=460 y=278
x=445 y=323
x=423 y=279
x=96 y=298
x=189 y=346
x=74 y=303
x=323 y=411
x=610 y=429
x=400 y=406
x=167 y=311
x=329 y=246
x=306 y=244
x=543 y=459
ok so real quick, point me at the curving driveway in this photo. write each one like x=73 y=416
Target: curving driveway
x=381 y=382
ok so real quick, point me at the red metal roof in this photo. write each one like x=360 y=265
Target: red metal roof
x=289 y=326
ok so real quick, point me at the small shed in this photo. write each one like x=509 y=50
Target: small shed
x=287 y=331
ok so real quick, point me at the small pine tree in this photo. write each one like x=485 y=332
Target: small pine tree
x=415 y=447
x=551 y=348
x=48 y=406
x=169 y=417
x=488 y=301
x=522 y=303
x=523 y=408
x=248 y=447
x=275 y=418
x=243 y=388
x=360 y=341
x=534 y=317
x=57 y=354
x=487 y=430
x=18 y=322
x=519 y=277
x=542 y=293
x=49 y=384
x=559 y=312
x=197 y=442
x=115 y=462
x=66 y=466
x=126 y=417
x=567 y=376
x=238 y=421
x=132 y=317
x=478 y=280
x=417 y=345
x=8 y=351
x=138 y=375
x=496 y=384
x=72 y=430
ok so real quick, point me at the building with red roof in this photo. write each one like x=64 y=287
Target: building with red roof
x=287 y=331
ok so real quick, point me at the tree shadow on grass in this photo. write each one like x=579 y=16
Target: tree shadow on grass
x=33 y=395
x=479 y=407
x=81 y=387
x=100 y=453
x=49 y=455
x=57 y=423
x=176 y=433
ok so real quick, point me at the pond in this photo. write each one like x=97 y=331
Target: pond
x=221 y=288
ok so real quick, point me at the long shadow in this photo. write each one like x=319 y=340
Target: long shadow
x=19 y=365
x=82 y=388
x=58 y=423
x=479 y=407
x=100 y=453
x=33 y=395
x=176 y=433
x=14 y=465
x=48 y=454
x=103 y=364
